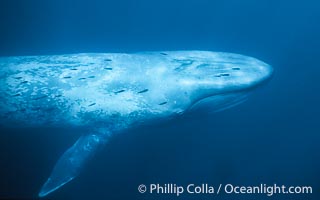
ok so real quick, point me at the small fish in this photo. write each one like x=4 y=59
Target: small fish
x=120 y=91
x=143 y=91
x=160 y=104
x=92 y=104
x=67 y=77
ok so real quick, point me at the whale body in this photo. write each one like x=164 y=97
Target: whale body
x=108 y=93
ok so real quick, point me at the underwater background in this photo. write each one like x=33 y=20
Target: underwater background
x=271 y=138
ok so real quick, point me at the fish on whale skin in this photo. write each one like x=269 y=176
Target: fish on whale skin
x=112 y=92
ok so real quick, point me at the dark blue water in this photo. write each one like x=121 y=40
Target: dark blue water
x=272 y=138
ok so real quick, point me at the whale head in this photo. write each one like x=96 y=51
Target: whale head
x=215 y=81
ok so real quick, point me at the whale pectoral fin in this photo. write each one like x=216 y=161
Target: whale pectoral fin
x=71 y=162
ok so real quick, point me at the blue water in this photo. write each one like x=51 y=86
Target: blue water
x=272 y=138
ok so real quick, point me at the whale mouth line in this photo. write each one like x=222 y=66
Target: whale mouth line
x=219 y=102
x=227 y=99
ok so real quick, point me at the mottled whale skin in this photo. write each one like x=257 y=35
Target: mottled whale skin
x=112 y=92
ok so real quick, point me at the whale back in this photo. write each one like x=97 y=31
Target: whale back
x=82 y=89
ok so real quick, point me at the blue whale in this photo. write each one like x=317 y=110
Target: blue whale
x=108 y=93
